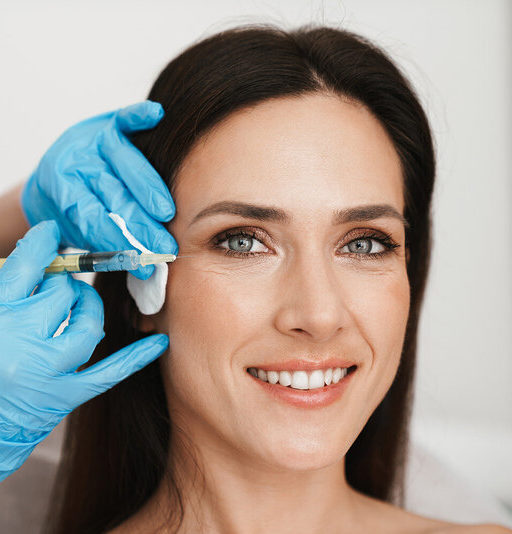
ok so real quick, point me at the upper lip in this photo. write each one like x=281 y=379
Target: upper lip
x=299 y=364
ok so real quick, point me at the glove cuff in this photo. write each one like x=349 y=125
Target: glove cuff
x=13 y=455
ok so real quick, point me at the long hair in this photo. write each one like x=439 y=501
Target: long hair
x=117 y=445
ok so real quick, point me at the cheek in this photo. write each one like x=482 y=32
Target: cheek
x=382 y=319
x=210 y=313
x=384 y=310
x=211 y=317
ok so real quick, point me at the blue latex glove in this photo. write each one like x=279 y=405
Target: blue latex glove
x=93 y=169
x=38 y=382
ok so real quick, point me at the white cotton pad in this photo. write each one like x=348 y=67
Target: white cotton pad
x=149 y=295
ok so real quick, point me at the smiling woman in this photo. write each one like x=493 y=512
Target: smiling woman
x=302 y=169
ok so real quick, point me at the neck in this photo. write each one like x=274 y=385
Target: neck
x=232 y=493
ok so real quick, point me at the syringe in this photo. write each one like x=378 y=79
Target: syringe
x=94 y=262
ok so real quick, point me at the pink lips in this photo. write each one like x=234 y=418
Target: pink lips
x=306 y=398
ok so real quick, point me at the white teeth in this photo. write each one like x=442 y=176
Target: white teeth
x=328 y=376
x=316 y=379
x=301 y=379
x=285 y=378
x=273 y=377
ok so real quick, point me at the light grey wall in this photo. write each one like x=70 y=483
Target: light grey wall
x=64 y=61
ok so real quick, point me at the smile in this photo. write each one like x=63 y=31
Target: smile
x=306 y=390
x=301 y=379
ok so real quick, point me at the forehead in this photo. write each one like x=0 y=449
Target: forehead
x=315 y=149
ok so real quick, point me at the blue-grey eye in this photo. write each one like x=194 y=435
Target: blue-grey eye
x=244 y=242
x=241 y=242
x=362 y=246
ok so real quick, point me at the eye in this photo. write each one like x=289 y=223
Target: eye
x=365 y=246
x=242 y=243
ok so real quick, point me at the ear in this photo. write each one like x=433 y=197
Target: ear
x=407 y=254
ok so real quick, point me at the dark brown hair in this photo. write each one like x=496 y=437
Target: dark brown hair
x=116 y=448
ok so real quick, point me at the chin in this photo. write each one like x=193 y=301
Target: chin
x=306 y=454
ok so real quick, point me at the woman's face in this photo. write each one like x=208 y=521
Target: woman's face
x=310 y=289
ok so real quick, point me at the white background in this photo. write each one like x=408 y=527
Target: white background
x=63 y=61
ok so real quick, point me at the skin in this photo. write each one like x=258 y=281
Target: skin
x=13 y=225
x=270 y=466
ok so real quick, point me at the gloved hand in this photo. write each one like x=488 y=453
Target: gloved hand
x=93 y=169
x=38 y=382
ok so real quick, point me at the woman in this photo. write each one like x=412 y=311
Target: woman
x=302 y=168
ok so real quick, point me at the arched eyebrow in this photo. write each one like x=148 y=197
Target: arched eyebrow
x=271 y=213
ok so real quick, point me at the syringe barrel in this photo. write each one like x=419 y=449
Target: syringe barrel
x=124 y=260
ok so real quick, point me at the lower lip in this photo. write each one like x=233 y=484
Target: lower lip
x=307 y=398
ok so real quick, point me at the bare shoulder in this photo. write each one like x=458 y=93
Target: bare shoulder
x=487 y=528
x=385 y=517
x=427 y=525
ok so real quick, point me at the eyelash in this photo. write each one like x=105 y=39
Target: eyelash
x=384 y=239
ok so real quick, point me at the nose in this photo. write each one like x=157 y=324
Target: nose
x=312 y=301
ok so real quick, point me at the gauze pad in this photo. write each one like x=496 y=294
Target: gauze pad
x=149 y=295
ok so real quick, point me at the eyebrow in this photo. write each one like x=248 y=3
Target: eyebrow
x=274 y=214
